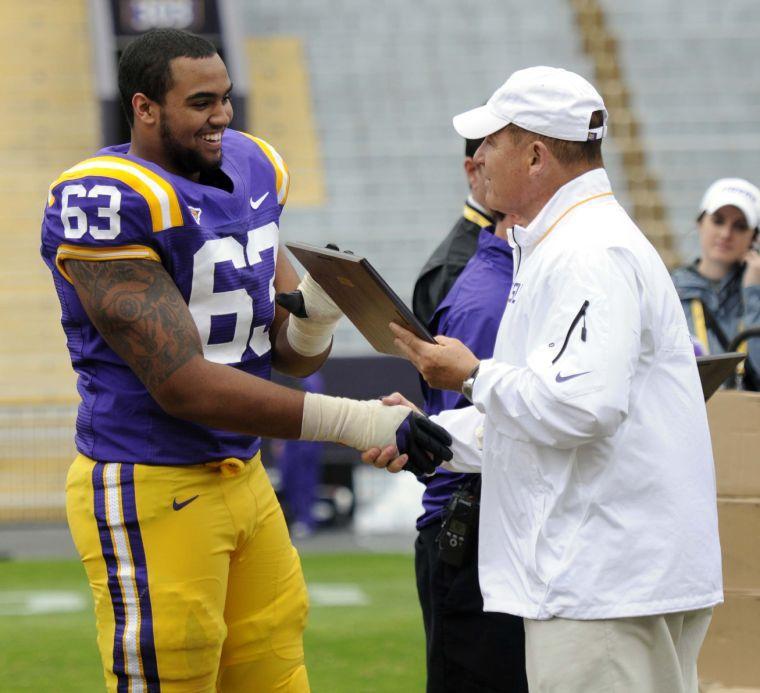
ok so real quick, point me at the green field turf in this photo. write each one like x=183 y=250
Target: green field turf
x=372 y=648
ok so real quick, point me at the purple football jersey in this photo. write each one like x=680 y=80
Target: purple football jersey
x=220 y=248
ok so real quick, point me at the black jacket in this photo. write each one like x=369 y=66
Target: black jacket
x=447 y=262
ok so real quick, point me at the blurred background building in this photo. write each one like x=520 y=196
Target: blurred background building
x=357 y=96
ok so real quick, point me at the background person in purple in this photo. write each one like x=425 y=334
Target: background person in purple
x=466 y=648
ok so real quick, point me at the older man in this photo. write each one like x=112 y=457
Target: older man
x=598 y=516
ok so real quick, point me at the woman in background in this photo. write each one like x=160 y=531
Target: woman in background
x=720 y=291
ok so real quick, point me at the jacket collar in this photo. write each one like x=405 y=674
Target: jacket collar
x=478 y=207
x=584 y=188
x=476 y=213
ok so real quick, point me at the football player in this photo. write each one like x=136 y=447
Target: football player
x=164 y=254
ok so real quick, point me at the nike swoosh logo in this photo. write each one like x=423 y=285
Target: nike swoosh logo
x=257 y=203
x=179 y=506
x=562 y=378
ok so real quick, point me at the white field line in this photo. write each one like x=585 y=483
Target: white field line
x=33 y=603
x=337 y=594
x=41 y=602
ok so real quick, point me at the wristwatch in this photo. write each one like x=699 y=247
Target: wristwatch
x=469 y=383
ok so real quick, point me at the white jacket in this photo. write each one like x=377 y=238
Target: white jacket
x=598 y=495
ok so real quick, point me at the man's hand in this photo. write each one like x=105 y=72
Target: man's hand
x=426 y=444
x=415 y=438
x=389 y=458
x=445 y=365
x=752 y=270
x=398 y=398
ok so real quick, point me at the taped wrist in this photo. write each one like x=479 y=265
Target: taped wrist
x=312 y=335
x=358 y=424
x=308 y=338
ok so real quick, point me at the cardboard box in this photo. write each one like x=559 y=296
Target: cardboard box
x=731 y=651
x=735 y=430
x=739 y=524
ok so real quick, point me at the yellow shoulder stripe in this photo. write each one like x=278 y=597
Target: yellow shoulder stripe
x=120 y=252
x=281 y=174
x=476 y=217
x=165 y=211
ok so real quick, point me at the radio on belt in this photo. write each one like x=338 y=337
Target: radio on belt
x=459 y=527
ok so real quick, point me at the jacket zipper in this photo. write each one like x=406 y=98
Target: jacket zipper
x=519 y=259
x=519 y=255
x=576 y=320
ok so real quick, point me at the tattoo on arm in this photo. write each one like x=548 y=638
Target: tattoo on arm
x=139 y=311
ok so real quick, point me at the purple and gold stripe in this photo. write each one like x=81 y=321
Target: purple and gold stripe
x=134 y=653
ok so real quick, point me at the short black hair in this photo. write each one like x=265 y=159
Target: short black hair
x=471 y=146
x=145 y=64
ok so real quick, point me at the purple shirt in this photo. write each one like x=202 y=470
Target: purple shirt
x=220 y=249
x=471 y=312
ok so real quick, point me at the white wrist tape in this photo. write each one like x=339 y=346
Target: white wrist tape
x=311 y=336
x=358 y=424
x=308 y=338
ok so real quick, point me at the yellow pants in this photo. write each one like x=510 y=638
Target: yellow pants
x=197 y=586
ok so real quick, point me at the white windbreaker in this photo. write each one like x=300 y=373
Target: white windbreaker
x=598 y=496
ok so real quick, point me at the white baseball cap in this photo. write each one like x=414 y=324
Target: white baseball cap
x=547 y=100
x=733 y=191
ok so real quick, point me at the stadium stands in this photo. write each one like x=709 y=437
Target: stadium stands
x=385 y=84
x=50 y=115
x=646 y=204
x=690 y=67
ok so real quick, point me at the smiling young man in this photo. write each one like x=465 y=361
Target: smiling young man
x=164 y=254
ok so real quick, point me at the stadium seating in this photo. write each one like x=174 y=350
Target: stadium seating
x=51 y=120
x=385 y=84
x=50 y=115
x=690 y=67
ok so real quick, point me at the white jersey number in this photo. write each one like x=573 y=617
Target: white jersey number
x=71 y=213
x=205 y=303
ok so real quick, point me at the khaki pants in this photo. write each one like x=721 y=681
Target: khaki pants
x=647 y=654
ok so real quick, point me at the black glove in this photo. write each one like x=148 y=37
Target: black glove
x=426 y=443
x=292 y=301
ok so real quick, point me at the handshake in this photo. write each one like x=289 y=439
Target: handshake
x=392 y=434
x=421 y=445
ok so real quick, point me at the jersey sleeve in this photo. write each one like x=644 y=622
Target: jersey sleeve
x=279 y=167
x=107 y=208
